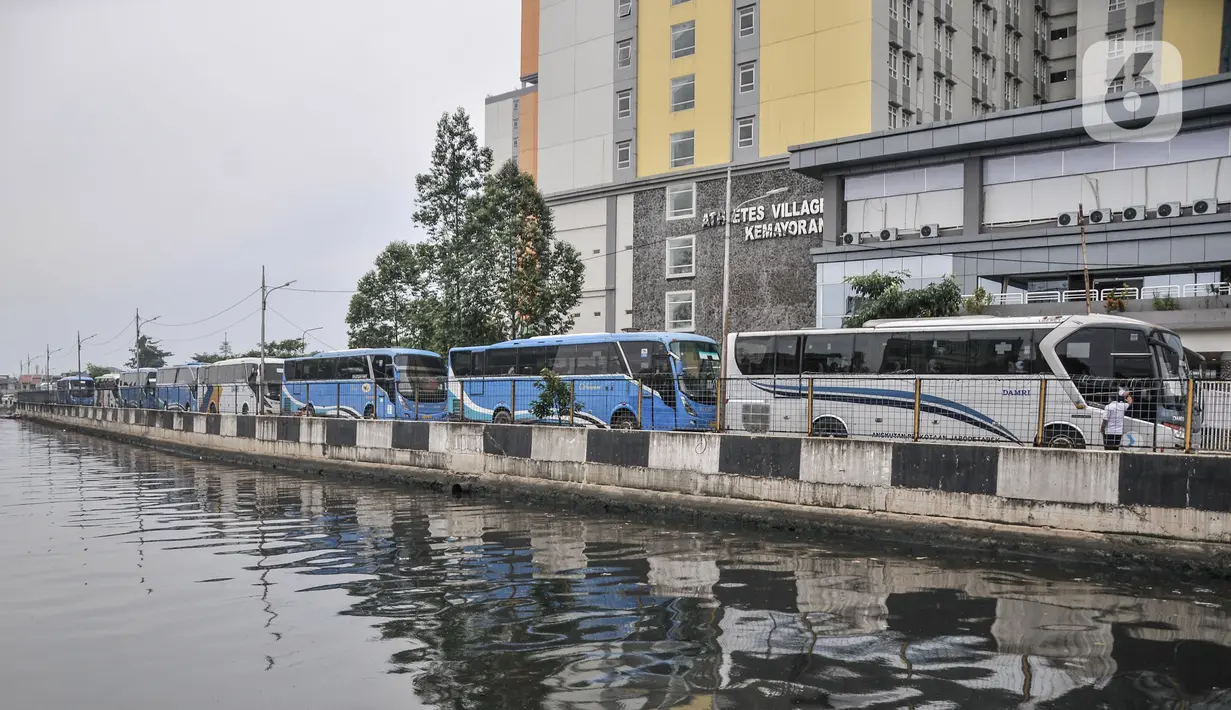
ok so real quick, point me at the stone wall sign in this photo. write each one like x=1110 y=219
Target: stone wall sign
x=785 y=219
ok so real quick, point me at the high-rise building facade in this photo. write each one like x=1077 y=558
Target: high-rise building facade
x=632 y=111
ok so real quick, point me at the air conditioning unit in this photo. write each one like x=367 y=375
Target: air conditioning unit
x=1099 y=216
x=1067 y=219
x=1206 y=206
x=888 y=235
x=1168 y=209
x=1135 y=213
x=928 y=231
x=848 y=238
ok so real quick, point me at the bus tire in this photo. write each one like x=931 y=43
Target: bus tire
x=624 y=419
x=369 y=412
x=310 y=411
x=829 y=427
x=1062 y=436
x=213 y=408
x=502 y=416
x=244 y=410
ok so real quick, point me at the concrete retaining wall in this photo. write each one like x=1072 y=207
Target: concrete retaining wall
x=1160 y=496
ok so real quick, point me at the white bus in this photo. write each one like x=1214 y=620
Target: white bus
x=230 y=386
x=970 y=378
x=107 y=390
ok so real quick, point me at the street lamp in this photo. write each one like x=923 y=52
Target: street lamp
x=260 y=375
x=137 y=345
x=304 y=338
x=50 y=352
x=79 y=342
x=726 y=267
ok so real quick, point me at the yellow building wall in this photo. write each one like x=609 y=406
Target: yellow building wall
x=712 y=65
x=1195 y=28
x=816 y=71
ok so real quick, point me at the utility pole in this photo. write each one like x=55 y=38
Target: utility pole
x=137 y=343
x=1085 y=263
x=50 y=352
x=260 y=374
x=79 y=342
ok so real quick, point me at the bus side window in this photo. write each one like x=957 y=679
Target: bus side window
x=501 y=362
x=461 y=363
x=869 y=353
x=941 y=353
x=896 y=354
x=477 y=367
x=828 y=354
x=531 y=361
x=786 y=355
x=1004 y=352
x=752 y=355
x=614 y=365
x=561 y=362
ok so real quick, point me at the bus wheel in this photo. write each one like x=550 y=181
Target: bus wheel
x=244 y=410
x=829 y=427
x=502 y=416
x=369 y=412
x=623 y=420
x=310 y=411
x=1058 y=436
x=213 y=408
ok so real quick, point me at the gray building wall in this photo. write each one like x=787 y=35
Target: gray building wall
x=773 y=280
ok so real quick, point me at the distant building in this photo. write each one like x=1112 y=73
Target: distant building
x=8 y=384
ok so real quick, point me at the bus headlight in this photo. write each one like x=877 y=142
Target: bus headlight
x=688 y=407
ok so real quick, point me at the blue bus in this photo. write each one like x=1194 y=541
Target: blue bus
x=75 y=390
x=177 y=387
x=376 y=383
x=138 y=389
x=637 y=380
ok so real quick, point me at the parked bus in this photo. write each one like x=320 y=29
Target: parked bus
x=230 y=386
x=379 y=383
x=75 y=390
x=107 y=391
x=178 y=387
x=661 y=381
x=139 y=388
x=979 y=379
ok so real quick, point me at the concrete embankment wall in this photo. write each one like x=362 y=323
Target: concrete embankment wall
x=1166 y=504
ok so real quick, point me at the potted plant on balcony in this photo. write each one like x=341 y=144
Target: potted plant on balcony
x=1115 y=300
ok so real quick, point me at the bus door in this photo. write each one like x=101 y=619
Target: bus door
x=385 y=374
x=654 y=368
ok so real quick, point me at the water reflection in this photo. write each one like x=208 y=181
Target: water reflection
x=488 y=605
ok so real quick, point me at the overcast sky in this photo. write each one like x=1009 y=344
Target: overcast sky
x=155 y=153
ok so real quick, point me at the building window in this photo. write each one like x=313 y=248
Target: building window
x=684 y=92
x=1115 y=86
x=1146 y=35
x=1017 y=93
x=624 y=155
x=976 y=14
x=1113 y=5
x=624 y=53
x=936 y=92
x=744 y=132
x=747 y=21
x=893 y=117
x=1061 y=33
x=1141 y=82
x=949 y=97
x=626 y=8
x=976 y=64
x=681 y=201
x=938 y=32
x=624 y=103
x=1115 y=44
x=893 y=9
x=680 y=256
x=949 y=42
x=908 y=69
x=678 y=2
x=747 y=77
x=684 y=39
x=1058 y=77
x=893 y=62
x=682 y=149
x=680 y=310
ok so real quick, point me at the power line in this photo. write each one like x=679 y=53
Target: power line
x=198 y=322
x=320 y=290
x=297 y=327
x=216 y=332
x=108 y=340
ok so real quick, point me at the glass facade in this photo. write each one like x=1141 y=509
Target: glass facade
x=835 y=299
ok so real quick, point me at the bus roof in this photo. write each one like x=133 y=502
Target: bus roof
x=76 y=378
x=581 y=338
x=975 y=323
x=247 y=361
x=364 y=351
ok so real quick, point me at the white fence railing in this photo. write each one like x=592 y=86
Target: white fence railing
x=1146 y=293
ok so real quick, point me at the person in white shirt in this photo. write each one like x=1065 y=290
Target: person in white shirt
x=1113 y=420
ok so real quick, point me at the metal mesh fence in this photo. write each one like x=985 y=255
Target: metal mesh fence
x=1143 y=414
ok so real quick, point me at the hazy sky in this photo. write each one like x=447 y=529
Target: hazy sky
x=155 y=153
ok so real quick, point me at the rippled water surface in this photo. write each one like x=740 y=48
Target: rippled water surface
x=134 y=579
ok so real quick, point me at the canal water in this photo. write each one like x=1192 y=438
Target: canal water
x=134 y=579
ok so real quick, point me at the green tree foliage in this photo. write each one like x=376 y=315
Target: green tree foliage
x=555 y=398
x=529 y=282
x=291 y=347
x=208 y=358
x=97 y=370
x=393 y=305
x=151 y=354
x=880 y=296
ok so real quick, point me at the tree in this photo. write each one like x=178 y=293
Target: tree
x=445 y=202
x=555 y=398
x=97 y=371
x=208 y=358
x=530 y=281
x=880 y=296
x=393 y=304
x=291 y=347
x=151 y=354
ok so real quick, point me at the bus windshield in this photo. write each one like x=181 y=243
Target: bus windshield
x=698 y=369
x=415 y=366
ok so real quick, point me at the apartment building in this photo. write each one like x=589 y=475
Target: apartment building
x=634 y=114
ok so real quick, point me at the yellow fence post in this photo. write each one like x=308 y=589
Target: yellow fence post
x=572 y=402
x=1188 y=419
x=918 y=396
x=809 y=423
x=1038 y=437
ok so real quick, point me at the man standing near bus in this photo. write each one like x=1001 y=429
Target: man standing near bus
x=1113 y=420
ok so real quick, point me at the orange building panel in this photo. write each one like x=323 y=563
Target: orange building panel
x=529 y=38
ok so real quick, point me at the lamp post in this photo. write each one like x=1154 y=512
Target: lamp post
x=50 y=352
x=79 y=342
x=726 y=265
x=260 y=375
x=137 y=344
x=303 y=339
